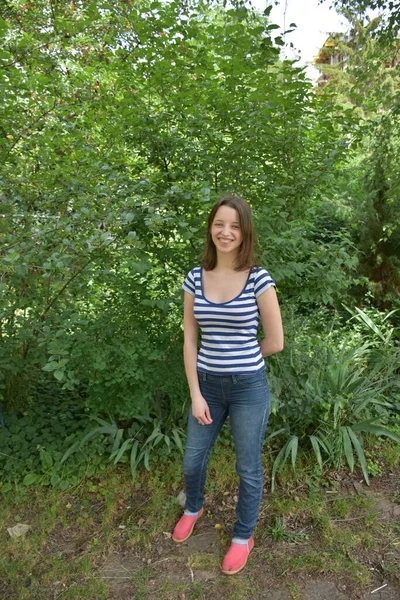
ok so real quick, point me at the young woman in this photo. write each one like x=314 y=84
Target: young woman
x=226 y=297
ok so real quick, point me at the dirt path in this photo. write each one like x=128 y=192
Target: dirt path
x=191 y=571
x=356 y=558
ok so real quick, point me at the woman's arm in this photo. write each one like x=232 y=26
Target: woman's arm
x=200 y=409
x=271 y=321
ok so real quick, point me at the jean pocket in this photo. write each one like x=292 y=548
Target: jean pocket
x=252 y=380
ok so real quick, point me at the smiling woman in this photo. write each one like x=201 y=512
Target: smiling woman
x=225 y=297
x=233 y=213
x=225 y=229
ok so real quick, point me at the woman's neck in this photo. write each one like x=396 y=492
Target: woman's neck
x=225 y=262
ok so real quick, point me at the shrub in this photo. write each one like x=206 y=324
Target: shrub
x=329 y=395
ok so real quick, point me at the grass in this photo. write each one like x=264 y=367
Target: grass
x=325 y=563
x=35 y=564
x=313 y=528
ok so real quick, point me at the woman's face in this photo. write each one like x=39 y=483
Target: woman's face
x=225 y=230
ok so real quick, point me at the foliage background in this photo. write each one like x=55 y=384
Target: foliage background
x=120 y=125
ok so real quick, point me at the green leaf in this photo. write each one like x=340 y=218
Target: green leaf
x=50 y=366
x=99 y=420
x=177 y=439
x=386 y=317
x=6 y=487
x=336 y=408
x=133 y=458
x=3 y=26
x=155 y=433
x=278 y=432
x=348 y=450
x=117 y=440
x=30 y=479
x=317 y=451
x=277 y=466
x=292 y=449
x=125 y=446
x=158 y=439
x=46 y=459
x=367 y=427
x=360 y=454
x=107 y=429
x=289 y=448
x=75 y=446
x=146 y=460
x=364 y=317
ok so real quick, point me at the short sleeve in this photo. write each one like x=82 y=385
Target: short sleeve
x=189 y=284
x=262 y=281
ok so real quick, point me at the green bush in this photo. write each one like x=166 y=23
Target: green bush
x=54 y=443
x=136 y=444
x=32 y=445
x=329 y=393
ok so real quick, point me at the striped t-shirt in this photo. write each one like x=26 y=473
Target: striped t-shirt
x=229 y=329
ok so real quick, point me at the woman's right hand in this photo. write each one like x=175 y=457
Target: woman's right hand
x=201 y=410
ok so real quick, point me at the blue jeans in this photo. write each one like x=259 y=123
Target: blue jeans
x=245 y=398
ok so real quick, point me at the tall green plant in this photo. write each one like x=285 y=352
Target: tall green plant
x=135 y=444
x=331 y=399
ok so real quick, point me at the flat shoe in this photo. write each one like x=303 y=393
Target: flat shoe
x=184 y=527
x=236 y=557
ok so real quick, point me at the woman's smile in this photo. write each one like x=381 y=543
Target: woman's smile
x=225 y=230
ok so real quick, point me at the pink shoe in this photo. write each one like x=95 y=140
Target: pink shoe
x=184 y=527
x=236 y=557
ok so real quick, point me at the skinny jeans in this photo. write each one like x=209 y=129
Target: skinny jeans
x=245 y=399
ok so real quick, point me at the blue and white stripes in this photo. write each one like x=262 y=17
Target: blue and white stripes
x=229 y=329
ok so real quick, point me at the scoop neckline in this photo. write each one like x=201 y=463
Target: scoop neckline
x=228 y=301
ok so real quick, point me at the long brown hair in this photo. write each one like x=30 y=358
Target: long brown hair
x=246 y=258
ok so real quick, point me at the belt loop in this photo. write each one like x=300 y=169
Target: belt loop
x=234 y=379
x=204 y=377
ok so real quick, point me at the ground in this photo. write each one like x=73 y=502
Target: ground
x=336 y=542
x=275 y=570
